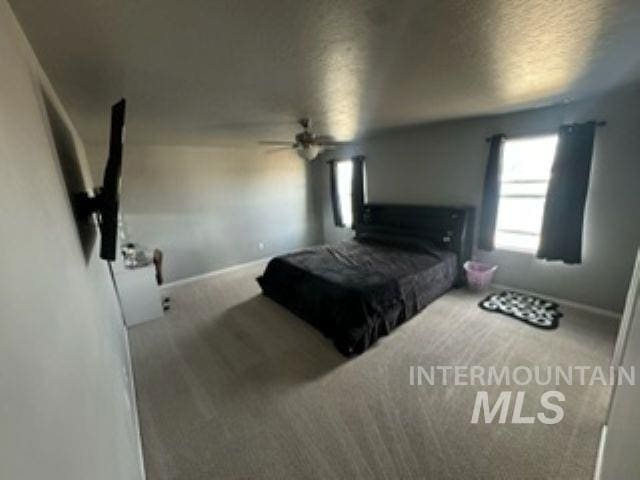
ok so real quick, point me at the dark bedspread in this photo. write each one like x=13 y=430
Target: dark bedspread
x=358 y=290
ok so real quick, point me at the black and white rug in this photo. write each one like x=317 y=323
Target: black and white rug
x=536 y=311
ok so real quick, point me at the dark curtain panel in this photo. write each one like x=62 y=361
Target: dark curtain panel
x=490 y=194
x=561 y=234
x=357 y=189
x=335 y=197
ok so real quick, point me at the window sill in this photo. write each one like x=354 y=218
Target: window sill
x=523 y=251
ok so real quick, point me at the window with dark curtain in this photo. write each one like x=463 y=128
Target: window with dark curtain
x=347 y=179
x=335 y=196
x=535 y=193
x=562 y=222
x=524 y=178
x=358 y=194
x=490 y=194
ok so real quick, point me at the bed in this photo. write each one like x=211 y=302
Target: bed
x=401 y=259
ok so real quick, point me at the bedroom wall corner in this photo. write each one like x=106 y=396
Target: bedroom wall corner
x=443 y=164
x=210 y=208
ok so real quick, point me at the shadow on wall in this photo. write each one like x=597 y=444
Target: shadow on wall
x=72 y=175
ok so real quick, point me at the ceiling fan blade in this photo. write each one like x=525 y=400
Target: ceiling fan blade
x=333 y=143
x=271 y=151
x=329 y=140
x=275 y=142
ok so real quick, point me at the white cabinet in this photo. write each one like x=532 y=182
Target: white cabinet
x=139 y=293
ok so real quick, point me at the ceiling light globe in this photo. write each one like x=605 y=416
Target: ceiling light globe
x=309 y=152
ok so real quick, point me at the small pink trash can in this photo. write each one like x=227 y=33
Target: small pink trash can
x=479 y=275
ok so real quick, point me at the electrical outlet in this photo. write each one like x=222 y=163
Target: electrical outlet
x=260 y=246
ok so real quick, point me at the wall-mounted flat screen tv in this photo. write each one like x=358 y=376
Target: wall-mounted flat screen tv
x=108 y=196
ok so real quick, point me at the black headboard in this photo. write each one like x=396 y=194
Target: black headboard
x=450 y=228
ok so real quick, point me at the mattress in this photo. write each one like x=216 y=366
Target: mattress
x=358 y=290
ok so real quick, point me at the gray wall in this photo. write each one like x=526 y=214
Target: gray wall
x=444 y=163
x=66 y=410
x=208 y=208
x=619 y=452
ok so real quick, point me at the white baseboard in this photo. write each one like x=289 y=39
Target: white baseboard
x=195 y=278
x=498 y=286
x=134 y=399
x=562 y=301
x=213 y=273
x=597 y=473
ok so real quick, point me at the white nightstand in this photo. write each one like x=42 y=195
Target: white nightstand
x=138 y=291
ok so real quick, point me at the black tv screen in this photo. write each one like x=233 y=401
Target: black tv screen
x=110 y=193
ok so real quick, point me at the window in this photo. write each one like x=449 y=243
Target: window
x=344 y=174
x=348 y=191
x=526 y=168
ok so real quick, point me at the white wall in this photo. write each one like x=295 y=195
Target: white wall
x=209 y=208
x=619 y=455
x=444 y=163
x=65 y=407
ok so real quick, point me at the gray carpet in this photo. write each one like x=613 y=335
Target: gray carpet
x=232 y=386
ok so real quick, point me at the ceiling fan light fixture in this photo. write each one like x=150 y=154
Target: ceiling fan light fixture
x=309 y=151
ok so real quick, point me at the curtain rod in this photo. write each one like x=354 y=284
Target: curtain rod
x=599 y=123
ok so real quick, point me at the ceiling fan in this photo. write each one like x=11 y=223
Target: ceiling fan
x=306 y=143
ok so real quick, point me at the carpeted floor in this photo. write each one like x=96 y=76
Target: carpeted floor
x=232 y=386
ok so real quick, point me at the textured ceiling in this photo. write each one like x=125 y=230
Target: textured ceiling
x=206 y=72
